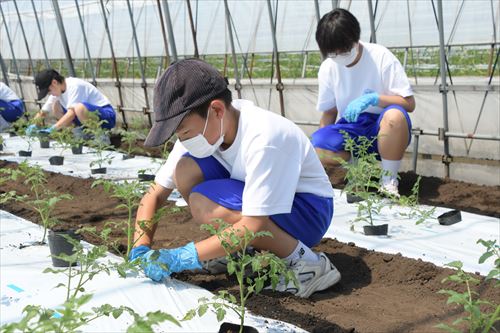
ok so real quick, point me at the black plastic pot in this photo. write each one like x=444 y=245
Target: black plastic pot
x=24 y=153
x=44 y=141
x=116 y=140
x=127 y=156
x=449 y=218
x=351 y=198
x=59 y=245
x=375 y=230
x=98 y=171
x=146 y=177
x=235 y=328
x=1 y=146
x=77 y=150
x=12 y=134
x=56 y=160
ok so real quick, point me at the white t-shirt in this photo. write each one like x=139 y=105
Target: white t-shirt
x=271 y=155
x=77 y=91
x=7 y=94
x=377 y=70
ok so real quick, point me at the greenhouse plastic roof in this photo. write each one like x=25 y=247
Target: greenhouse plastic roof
x=469 y=21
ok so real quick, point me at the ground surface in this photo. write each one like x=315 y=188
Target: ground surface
x=378 y=292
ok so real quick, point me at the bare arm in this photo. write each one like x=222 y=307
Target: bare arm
x=408 y=103
x=328 y=117
x=154 y=199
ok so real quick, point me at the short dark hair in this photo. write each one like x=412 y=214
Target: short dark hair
x=337 y=31
x=58 y=77
x=201 y=110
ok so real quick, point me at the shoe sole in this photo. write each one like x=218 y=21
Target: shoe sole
x=324 y=282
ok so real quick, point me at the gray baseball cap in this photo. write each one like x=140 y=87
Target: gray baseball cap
x=185 y=85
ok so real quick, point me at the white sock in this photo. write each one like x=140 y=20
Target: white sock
x=301 y=252
x=4 y=124
x=390 y=168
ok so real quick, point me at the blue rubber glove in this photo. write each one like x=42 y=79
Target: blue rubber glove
x=138 y=252
x=47 y=130
x=31 y=129
x=159 y=264
x=359 y=105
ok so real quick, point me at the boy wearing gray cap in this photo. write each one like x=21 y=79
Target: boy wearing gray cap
x=237 y=162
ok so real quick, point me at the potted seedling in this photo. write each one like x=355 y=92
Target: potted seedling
x=64 y=138
x=99 y=142
x=2 y=143
x=20 y=126
x=266 y=268
x=45 y=200
x=362 y=171
x=59 y=245
x=143 y=174
x=70 y=317
x=129 y=193
x=362 y=174
x=44 y=139
x=130 y=139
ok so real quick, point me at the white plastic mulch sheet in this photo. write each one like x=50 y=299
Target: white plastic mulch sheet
x=22 y=283
x=78 y=165
x=428 y=241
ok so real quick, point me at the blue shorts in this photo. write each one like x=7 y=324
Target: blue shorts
x=11 y=110
x=368 y=125
x=308 y=221
x=105 y=112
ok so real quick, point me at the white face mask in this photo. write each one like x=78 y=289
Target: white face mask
x=199 y=147
x=345 y=59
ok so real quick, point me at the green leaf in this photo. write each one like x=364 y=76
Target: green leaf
x=189 y=315
x=221 y=313
x=202 y=310
x=485 y=257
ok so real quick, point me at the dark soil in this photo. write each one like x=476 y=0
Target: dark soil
x=378 y=292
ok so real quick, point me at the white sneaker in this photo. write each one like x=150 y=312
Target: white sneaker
x=311 y=276
x=214 y=266
x=390 y=188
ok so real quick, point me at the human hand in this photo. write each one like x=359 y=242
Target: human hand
x=31 y=129
x=359 y=105
x=47 y=130
x=159 y=264
x=138 y=252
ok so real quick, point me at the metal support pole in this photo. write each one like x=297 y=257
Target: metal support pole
x=89 y=59
x=118 y=84
x=47 y=63
x=25 y=40
x=60 y=25
x=193 y=29
x=316 y=9
x=279 y=85
x=237 y=86
x=414 y=155
x=335 y=4
x=14 y=61
x=141 y=67
x=373 y=37
x=443 y=89
x=163 y=33
x=4 y=70
x=170 y=30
